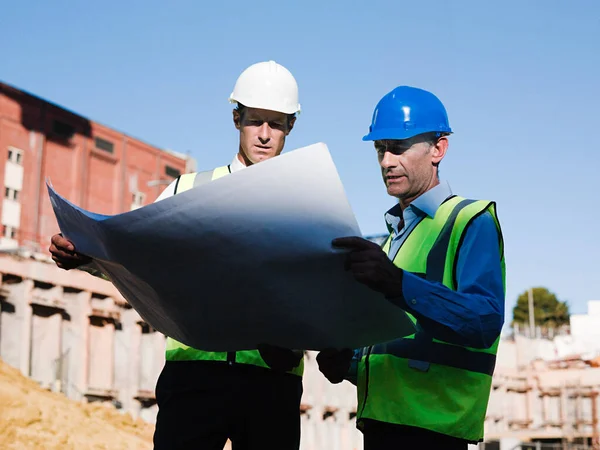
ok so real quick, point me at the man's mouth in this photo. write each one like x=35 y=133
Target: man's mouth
x=393 y=177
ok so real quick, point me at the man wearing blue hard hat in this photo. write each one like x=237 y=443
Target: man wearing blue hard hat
x=443 y=263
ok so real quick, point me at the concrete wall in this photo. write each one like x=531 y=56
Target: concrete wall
x=543 y=390
x=327 y=412
x=587 y=326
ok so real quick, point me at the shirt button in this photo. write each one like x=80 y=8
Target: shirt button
x=413 y=301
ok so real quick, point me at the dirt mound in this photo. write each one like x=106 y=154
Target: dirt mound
x=34 y=418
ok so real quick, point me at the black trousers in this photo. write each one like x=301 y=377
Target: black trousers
x=201 y=404
x=384 y=436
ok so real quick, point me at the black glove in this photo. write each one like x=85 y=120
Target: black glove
x=280 y=359
x=335 y=364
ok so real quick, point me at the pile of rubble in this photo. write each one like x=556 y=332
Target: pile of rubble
x=34 y=418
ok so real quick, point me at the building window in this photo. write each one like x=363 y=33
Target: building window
x=137 y=200
x=172 y=172
x=11 y=194
x=63 y=130
x=9 y=232
x=103 y=144
x=15 y=156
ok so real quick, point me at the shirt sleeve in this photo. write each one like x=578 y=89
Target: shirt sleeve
x=472 y=315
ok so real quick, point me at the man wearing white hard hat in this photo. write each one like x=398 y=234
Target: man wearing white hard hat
x=249 y=397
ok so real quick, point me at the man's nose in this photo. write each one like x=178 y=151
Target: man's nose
x=264 y=133
x=388 y=160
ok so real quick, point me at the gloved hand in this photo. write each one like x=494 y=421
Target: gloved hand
x=335 y=364
x=280 y=359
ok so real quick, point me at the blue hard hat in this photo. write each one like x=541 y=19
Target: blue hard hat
x=406 y=112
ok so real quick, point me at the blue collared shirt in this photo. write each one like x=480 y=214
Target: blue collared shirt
x=472 y=315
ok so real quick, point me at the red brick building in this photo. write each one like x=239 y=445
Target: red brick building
x=92 y=165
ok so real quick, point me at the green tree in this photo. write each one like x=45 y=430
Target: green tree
x=548 y=310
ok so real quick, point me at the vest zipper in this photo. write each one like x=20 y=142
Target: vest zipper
x=230 y=358
x=366 y=380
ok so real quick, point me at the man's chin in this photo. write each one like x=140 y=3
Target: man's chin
x=259 y=158
x=395 y=192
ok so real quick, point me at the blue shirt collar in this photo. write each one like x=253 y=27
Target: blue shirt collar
x=431 y=200
x=427 y=203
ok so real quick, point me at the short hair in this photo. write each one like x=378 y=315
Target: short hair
x=240 y=108
x=433 y=136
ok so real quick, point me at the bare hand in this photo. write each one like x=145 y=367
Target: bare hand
x=370 y=265
x=280 y=359
x=335 y=364
x=64 y=254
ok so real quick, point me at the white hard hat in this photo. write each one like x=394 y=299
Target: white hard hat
x=267 y=85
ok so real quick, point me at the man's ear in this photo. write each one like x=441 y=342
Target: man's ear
x=291 y=123
x=439 y=150
x=237 y=119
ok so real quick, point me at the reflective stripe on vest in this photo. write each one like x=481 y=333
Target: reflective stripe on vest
x=176 y=351
x=418 y=380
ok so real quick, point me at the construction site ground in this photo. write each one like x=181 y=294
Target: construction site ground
x=34 y=418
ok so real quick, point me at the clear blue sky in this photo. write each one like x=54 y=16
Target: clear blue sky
x=520 y=81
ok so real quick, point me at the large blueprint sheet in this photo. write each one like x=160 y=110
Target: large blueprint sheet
x=242 y=260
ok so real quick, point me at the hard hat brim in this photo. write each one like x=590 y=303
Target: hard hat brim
x=396 y=134
x=267 y=106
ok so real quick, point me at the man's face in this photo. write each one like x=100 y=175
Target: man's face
x=262 y=133
x=409 y=166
